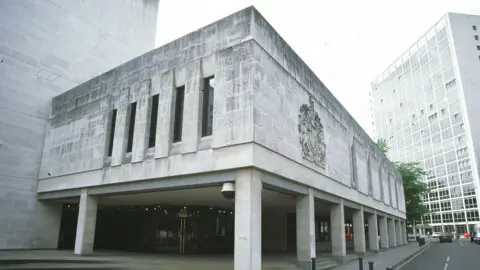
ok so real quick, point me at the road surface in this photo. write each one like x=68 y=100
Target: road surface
x=459 y=255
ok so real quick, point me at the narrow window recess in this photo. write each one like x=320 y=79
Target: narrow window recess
x=207 y=113
x=153 y=122
x=112 y=132
x=474 y=27
x=476 y=37
x=178 y=119
x=478 y=47
x=131 y=126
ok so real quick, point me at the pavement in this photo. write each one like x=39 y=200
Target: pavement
x=104 y=259
x=459 y=255
x=391 y=257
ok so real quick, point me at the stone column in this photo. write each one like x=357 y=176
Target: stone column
x=87 y=218
x=305 y=230
x=398 y=232
x=404 y=232
x=392 y=240
x=248 y=220
x=337 y=221
x=383 y=229
x=373 y=231
x=359 y=231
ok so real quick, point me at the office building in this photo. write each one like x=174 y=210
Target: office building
x=46 y=48
x=425 y=105
x=149 y=155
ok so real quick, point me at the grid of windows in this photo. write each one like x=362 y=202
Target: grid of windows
x=416 y=105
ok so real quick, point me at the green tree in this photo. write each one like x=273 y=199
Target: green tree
x=413 y=185
x=382 y=144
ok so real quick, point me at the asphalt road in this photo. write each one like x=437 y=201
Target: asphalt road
x=459 y=255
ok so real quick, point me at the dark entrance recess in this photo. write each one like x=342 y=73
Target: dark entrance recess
x=153 y=228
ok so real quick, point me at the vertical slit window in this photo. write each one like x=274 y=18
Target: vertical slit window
x=178 y=120
x=207 y=115
x=131 y=126
x=112 y=132
x=153 y=122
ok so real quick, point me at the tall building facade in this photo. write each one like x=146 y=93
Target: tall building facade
x=46 y=48
x=425 y=105
x=229 y=111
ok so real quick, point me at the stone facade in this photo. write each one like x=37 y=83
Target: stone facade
x=261 y=87
x=47 y=48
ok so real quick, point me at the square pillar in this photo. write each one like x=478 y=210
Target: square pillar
x=306 y=248
x=373 y=232
x=87 y=219
x=392 y=239
x=337 y=221
x=359 y=231
x=398 y=232
x=383 y=229
x=403 y=226
x=248 y=220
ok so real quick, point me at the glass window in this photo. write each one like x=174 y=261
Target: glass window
x=462 y=152
x=207 y=114
x=447 y=217
x=153 y=122
x=457 y=204
x=178 y=118
x=452 y=168
x=470 y=202
x=459 y=217
x=446 y=206
x=444 y=194
x=453 y=180
x=131 y=126
x=442 y=182
x=466 y=177
x=458 y=129
x=472 y=215
x=455 y=192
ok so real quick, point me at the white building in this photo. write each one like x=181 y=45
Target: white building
x=46 y=48
x=426 y=106
x=231 y=104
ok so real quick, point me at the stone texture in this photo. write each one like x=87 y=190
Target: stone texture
x=87 y=218
x=383 y=231
x=373 y=232
x=359 y=231
x=392 y=234
x=248 y=220
x=47 y=48
x=305 y=215
x=337 y=223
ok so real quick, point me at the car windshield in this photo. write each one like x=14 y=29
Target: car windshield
x=444 y=234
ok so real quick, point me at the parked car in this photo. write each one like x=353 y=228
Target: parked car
x=411 y=236
x=445 y=237
x=435 y=234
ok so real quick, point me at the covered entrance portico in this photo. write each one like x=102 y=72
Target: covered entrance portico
x=190 y=215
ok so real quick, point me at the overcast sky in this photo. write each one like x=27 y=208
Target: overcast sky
x=347 y=43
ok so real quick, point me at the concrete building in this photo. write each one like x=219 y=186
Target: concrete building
x=138 y=156
x=425 y=105
x=46 y=48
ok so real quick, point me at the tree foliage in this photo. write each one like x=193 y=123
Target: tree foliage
x=382 y=144
x=413 y=185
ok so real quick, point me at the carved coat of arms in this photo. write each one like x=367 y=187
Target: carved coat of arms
x=311 y=136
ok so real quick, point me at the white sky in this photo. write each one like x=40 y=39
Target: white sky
x=347 y=43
